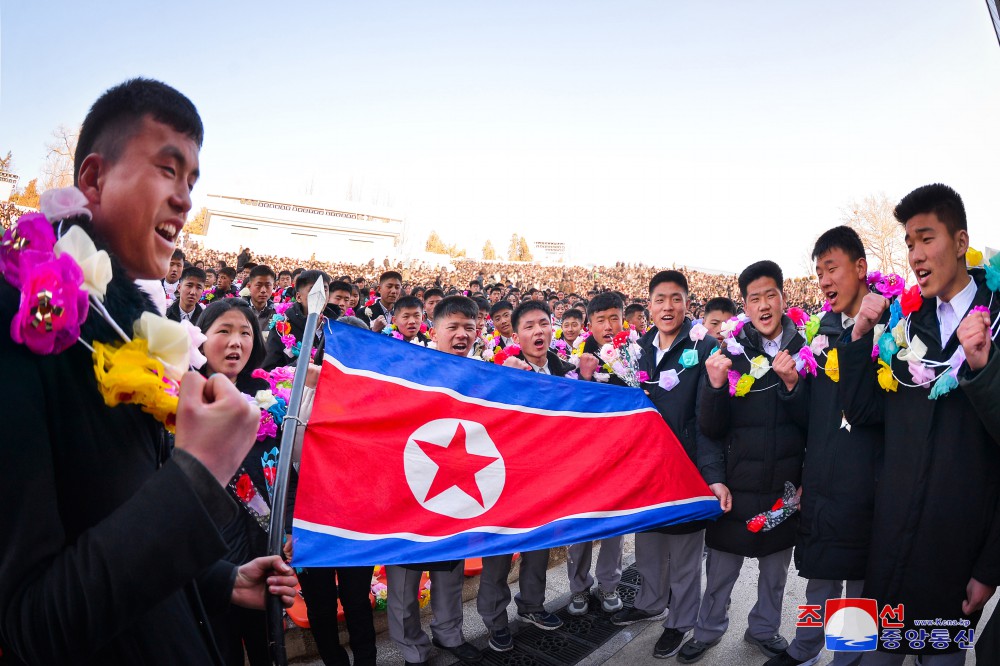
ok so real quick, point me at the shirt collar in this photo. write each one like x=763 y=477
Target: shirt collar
x=544 y=369
x=846 y=320
x=962 y=301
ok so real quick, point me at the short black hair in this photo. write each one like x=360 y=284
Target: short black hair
x=407 y=302
x=193 y=271
x=212 y=271
x=496 y=288
x=574 y=313
x=499 y=307
x=720 y=304
x=481 y=303
x=115 y=116
x=456 y=305
x=339 y=285
x=843 y=238
x=939 y=199
x=761 y=269
x=284 y=273
x=177 y=254
x=228 y=271
x=433 y=291
x=221 y=306
x=259 y=270
x=249 y=266
x=609 y=300
x=389 y=275
x=526 y=307
x=675 y=277
x=307 y=279
x=635 y=307
x=297 y=271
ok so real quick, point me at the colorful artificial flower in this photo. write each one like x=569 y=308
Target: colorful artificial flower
x=819 y=344
x=31 y=233
x=921 y=374
x=873 y=278
x=890 y=285
x=267 y=427
x=53 y=306
x=832 y=367
x=759 y=366
x=733 y=347
x=94 y=264
x=943 y=386
x=621 y=338
x=734 y=378
x=743 y=386
x=887 y=347
x=911 y=300
x=885 y=377
x=826 y=307
x=167 y=341
x=798 y=316
x=808 y=361
x=973 y=257
x=689 y=358
x=128 y=374
x=993 y=273
x=698 y=332
x=62 y=203
x=811 y=328
x=669 y=379
x=642 y=376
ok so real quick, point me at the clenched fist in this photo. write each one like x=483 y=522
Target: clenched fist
x=588 y=366
x=215 y=424
x=515 y=362
x=974 y=334
x=784 y=366
x=718 y=366
x=872 y=307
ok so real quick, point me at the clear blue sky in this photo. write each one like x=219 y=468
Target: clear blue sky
x=706 y=133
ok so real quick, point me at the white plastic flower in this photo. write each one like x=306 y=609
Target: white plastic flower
x=607 y=352
x=197 y=340
x=95 y=264
x=759 y=366
x=167 y=341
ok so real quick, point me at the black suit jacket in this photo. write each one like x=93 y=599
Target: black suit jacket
x=174 y=312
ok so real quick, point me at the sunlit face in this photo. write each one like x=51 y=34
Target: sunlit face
x=571 y=329
x=606 y=324
x=764 y=304
x=714 y=321
x=841 y=280
x=189 y=292
x=558 y=310
x=229 y=343
x=174 y=272
x=225 y=282
x=637 y=320
x=388 y=291
x=502 y=323
x=494 y=296
x=534 y=335
x=302 y=296
x=140 y=202
x=209 y=280
x=454 y=334
x=667 y=305
x=514 y=298
x=341 y=299
x=936 y=257
x=408 y=321
x=261 y=288
x=242 y=277
x=430 y=304
x=284 y=281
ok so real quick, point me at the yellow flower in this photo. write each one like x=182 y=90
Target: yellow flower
x=832 y=366
x=759 y=366
x=743 y=385
x=128 y=374
x=973 y=257
x=885 y=378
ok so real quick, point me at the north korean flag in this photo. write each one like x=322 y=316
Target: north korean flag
x=414 y=455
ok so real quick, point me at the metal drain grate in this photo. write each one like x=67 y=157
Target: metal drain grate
x=571 y=643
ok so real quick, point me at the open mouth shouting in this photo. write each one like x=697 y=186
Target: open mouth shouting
x=168 y=230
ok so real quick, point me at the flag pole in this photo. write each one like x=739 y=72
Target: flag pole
x=276 y=633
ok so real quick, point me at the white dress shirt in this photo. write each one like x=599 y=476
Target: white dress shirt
x=540 y=369
x=772 y=347
x=949 y=313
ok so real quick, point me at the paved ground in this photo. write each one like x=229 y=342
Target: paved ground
x=634 y=644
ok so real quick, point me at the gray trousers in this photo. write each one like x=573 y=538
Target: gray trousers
x=809 y=641
x=609 y=565
x=887 y=659
x=670 y=565
x=494 y=592
x=403 y=607
x=722 y=571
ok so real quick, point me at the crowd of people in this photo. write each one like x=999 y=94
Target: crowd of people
x=627 y=279
x=857 y=434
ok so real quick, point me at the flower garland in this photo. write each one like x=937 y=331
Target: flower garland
x=393 y=332
x=279 y=324
x=689 y=359
x=61 y=280
x=894 y=340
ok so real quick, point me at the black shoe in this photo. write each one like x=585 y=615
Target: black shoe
x=501 y=640
x=464 y=652
x=771 y=647
x=543 y=620
x=785 y=659
x=668 y=644
x=694 y=650
x=632 y=615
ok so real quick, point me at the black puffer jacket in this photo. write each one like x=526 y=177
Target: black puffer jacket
x=842 y=464
x=761 y=448
x=678 y=406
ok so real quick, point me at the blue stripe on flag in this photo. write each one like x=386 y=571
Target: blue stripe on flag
x=316 y=549
x=375 y=352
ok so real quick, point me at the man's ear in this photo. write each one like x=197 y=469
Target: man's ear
x=91 y=178
x=962 y=241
